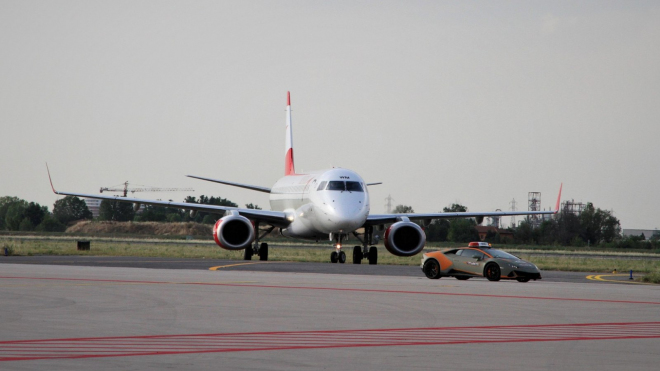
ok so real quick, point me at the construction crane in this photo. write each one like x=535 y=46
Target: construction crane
x=126 y=189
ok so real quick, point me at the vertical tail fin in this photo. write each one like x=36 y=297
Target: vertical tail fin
x=289 y=168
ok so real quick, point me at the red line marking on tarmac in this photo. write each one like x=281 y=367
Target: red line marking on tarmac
x=338 y=289
x=90 y=347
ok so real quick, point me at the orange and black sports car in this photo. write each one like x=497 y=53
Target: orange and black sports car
x=479 y=259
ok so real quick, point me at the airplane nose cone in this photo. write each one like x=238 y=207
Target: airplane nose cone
x=346 y=216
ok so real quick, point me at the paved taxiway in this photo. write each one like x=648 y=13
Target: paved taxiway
x=90 y=317
x=271 y=266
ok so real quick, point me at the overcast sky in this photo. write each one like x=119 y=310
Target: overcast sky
x=470 y=102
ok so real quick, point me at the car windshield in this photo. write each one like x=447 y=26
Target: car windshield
x=501 y=254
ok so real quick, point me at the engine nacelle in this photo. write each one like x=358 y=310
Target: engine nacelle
x=404 y=238
x=233 y=232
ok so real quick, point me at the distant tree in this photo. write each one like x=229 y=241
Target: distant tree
x=209 y=219
x=15 y=215
x=201 y=217
x=611 y=228
x=403 y=209
x=463 y=230
x=71 y=208
x=524 y=233
x=35 y=213
x=547 y=232
x=492 y=237
x=50 y=224
x=251 y=206
x=598 y=225
x=26 y=225
x=159 y=214
x=568 y=227
x=655 y=236
x=455 y=208
x=116 y=211
x=5 y=203
x=438 y=230
x=174 y=218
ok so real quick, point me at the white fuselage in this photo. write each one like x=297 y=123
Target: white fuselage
x=327 y=201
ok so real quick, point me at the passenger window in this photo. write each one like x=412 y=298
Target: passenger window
x=336 y=185
x=354 y=187
x=322 y=186
x=459 y=252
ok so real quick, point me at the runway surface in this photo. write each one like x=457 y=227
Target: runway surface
x=64 y=317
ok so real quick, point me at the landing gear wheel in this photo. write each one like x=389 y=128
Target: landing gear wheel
x=247 y=254
x=342 y=257
x=432 y=269
x=522 y=279
x=357 y=255
x=462 y=278
x=373 y=255
x=492 y=272
x=334 y=257
x=263 y=252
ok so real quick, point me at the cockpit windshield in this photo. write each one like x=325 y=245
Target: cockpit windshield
x=354 y=187
x=336 y=185
x=340 y=185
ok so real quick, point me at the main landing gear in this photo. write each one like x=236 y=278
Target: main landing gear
x=259 y=249
x=366 y=252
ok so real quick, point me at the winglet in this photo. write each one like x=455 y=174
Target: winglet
x=558 y=198
x=49 y=178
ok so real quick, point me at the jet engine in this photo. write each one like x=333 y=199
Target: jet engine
x=404 y=238
x=233 y=232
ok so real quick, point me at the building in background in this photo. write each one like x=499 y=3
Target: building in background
x=648 y=233
x=93 y=205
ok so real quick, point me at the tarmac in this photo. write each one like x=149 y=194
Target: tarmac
x=81 y=315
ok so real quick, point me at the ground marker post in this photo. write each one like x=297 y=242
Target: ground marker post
x=631 y=274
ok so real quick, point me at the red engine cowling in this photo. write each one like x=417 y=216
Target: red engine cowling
x=404 y=238
x=233 y=232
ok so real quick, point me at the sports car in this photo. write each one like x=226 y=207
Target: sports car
x=479 y=259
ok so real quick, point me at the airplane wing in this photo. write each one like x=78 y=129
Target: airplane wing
x=275 y=218
x=391 y=218
x=241 y=185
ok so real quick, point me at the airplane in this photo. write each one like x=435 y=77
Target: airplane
x=331 y=203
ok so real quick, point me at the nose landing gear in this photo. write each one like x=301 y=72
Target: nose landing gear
x=338 y=256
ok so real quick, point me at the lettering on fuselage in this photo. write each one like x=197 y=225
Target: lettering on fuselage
x=344 y=177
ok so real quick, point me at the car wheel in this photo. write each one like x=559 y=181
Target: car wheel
x=492 y=272
x=462 y=278
x=432 y=269
x=522 y=279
